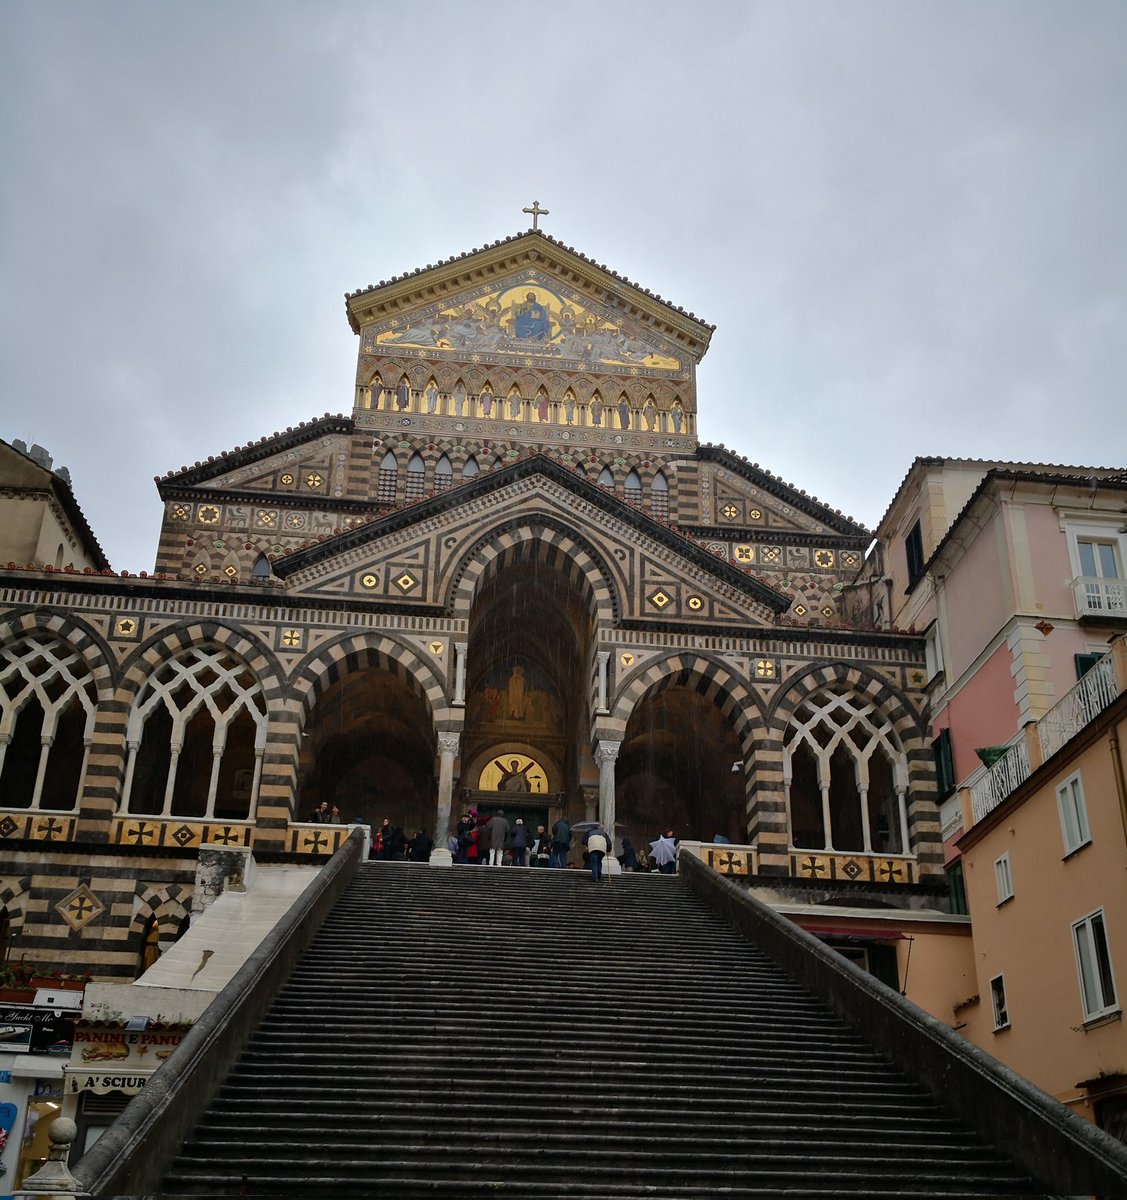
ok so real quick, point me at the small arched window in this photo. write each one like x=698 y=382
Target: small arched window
x=633 y=489
x=416 y=477
x=389 y=478
x=443 y=474
x=606 y=479
x=150 y=946
x=261 y=568
x=659 y=496
x=471 y=468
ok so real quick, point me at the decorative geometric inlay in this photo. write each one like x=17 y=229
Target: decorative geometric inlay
x=219 y=544
x=800 y=610
x=824 y=558
x=745 y=554
x=313 y=480
x=772 y=554
x=437 y=648
x=728 y=862
x=406 y=582
x=730 y=512
x=314 y=842
x=179 y=512
x=80 y=907
x=291 y=637
x=755 y=515
x=627 y=659
x=851 y=868
x=266 y=518
x=141 y=832
x=286 y=479
x=226 y=836
x=7 y=826
x=659 y=599
x=892 y=872
x=813 y=867
x=182 y=835
x=200 y=569
x=230 y=571
x=827 y=611
x=47 y=830
x=764 y=668
x=295 y=520
x=850 y=558
x=695 y=603
x=208 y=514
x=125 y=626
x=369 y=581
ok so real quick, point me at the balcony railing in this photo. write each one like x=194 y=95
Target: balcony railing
x=1069 y=715
x=1035 y=744
x=1008 y=773
x=1096 y=597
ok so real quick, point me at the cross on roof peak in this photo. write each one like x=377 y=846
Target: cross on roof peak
x=536 y=212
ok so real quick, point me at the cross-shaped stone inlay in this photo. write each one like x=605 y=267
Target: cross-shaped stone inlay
x=225 y=837
x=80 y=907
x=744 y=554
x=813 y=867
x=315 y=843
x=731 y=862
x=730 y=512
x=892 y=872
x=142 y=833
x=764 y=668
x=49 y=829
x=291 y=637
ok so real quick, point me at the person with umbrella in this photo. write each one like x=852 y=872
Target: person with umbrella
x=664 y=851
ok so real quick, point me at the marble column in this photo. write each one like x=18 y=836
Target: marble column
x=603 y=658
x=605 y=755
x=459 y=674
x=448 y=744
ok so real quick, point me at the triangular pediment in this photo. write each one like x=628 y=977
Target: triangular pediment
x=744 y=496
x=414 y=558
x=529 y=297
x=296 y=462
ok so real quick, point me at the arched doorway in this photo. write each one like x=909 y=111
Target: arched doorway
x=675 y=769
x=369 y=749
x=526 y=700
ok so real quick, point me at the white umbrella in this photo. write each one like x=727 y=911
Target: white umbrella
x=664 y=850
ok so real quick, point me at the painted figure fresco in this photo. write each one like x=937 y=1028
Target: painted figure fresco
x=516 y=708
x=403 y=397
x=514 y=778
x=596 y=411
x=432 y=397
x=530 y=319
x=678 y=415
x=542 y=410
x=487 y=402
x=623 y=413
x=459 y=399
x=514 y=405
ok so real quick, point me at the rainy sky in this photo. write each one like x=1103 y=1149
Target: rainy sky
x=906 y=219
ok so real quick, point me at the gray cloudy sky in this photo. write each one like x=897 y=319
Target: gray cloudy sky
x=905 y=218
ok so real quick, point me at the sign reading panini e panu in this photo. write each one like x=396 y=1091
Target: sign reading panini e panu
x=101 y=1082
x=125 y=1049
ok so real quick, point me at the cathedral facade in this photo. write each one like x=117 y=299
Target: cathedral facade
x=510 y=577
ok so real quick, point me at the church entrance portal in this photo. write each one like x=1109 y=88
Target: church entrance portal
x=369 y=749
x=675 y=770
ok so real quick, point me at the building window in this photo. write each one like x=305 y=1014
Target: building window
x=416 y=477
x=1085 y=662
x=388 y=479
x=47 y=706
x=659 y=496
x=471 y=468
x=196 y=737
x=957 y=890
x=998 y=999
x=633 y=489
x=1097 y=552
x=944 y=763
x=443 y=474
x=845 y=776
x=1003 y=878
x=1073 y=814
x=1093 y=964
x=914 y=551
x=606 y=479
x=934 y=652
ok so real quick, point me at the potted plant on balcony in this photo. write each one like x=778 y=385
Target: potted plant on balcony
x=15 y=983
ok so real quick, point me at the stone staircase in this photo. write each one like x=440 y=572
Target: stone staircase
x=521 y=1032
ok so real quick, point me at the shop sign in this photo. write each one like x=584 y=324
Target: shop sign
x=26 y=1030
x=123 y=1049
x=101 y=1082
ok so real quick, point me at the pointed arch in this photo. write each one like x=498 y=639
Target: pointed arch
x=387 y=483
x=606 y=478
x=633 y=488
x=542 y=540
x=659 y=495
x=470 y=468
x=443 y=474
x=416 y=477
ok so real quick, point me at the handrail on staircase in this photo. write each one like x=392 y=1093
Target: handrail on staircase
x=1061 y=1150
x=138 y=1149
